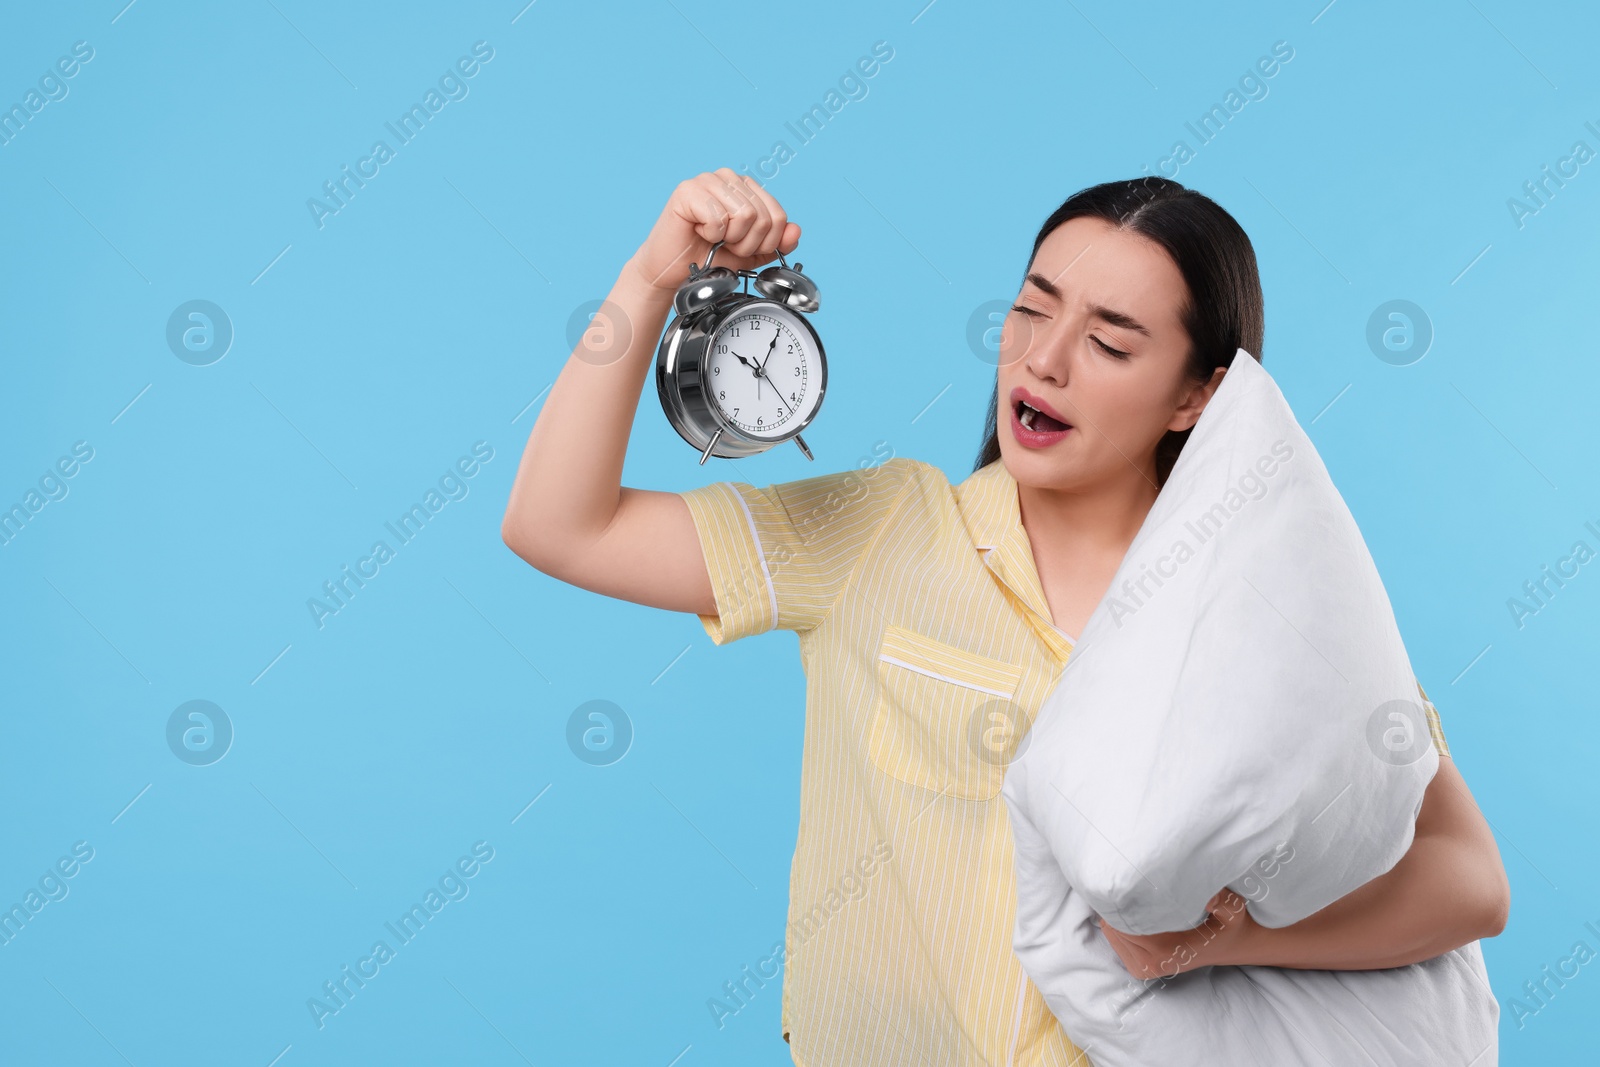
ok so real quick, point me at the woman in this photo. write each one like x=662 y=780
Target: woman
x=933 y=618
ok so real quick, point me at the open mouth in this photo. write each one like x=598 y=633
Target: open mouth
x=1033 y=419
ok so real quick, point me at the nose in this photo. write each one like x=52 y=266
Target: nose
x=1045 y=348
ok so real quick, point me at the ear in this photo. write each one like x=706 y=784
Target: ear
x=1195 y=400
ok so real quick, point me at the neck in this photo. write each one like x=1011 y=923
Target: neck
x=1099 y=520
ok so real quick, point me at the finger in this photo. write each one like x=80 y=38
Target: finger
x=1227 y=901
x=706 y=212
x=710 y=208
x=762 y=241
x=787 y=233
x=772 y=242
x=755 y=237
x=741 y=213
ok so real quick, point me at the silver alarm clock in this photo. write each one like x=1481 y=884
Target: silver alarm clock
x=739 y=373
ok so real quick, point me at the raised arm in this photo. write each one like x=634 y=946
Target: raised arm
x=569 y=514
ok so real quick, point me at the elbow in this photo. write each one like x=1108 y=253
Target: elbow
x=511 y=535
x=1498 y=910
x=1494 y=891
x=526 y=546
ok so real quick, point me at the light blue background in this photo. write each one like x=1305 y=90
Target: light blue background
x=428 y=314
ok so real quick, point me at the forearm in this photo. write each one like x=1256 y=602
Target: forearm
x=569 y=481
x=1427 y=904
x=1448 y=889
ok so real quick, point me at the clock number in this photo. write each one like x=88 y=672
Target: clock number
x=791 y=350
x=735 y=412
x=758 y=420
x=716 y=369
x=722 y=394
x=793 y=399
x=734 y=332
x=755 y=325
x=721 y=349
x=797 y=370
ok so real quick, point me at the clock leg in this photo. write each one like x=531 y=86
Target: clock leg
x=713 y=442
x=803 y=448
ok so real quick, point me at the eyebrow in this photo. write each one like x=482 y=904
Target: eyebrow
x=1111 y=315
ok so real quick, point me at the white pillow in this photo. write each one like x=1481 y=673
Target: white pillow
x=1440 y=1011
x=1218 y=702
x=1241 y=694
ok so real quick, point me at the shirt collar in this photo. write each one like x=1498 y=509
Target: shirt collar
x=988 y=502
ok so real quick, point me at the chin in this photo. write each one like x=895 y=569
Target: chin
x=1033 y=468
x=1016 y=458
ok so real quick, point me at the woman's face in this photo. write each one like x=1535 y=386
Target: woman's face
x=1099 y=344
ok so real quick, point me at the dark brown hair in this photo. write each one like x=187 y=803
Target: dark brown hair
x=1223 y=310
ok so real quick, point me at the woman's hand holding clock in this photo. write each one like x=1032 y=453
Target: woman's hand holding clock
x=719 y=205
x=570 y=515
x=707 y=355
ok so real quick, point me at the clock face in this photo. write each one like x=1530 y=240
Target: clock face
x=764 y=372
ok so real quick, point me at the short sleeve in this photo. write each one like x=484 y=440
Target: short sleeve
x=779 y=556
x=1435 y=729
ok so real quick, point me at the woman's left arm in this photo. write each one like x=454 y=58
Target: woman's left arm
x=1449 y=888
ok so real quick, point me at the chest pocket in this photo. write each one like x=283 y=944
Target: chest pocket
x=946 y=719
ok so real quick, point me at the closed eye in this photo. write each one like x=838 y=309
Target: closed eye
x=1113 y=352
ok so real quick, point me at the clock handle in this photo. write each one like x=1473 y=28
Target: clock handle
x=711 y=444
x=803 y=448
x=709 y=256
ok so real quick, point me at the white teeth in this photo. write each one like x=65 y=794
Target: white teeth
x=1027 y=416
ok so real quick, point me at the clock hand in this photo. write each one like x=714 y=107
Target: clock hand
x=761 y=372
x=755 y=370
x=768 y=357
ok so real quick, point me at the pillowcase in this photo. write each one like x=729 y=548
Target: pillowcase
x=1240 y=690
x=1438 y=1011
x=1239 y=711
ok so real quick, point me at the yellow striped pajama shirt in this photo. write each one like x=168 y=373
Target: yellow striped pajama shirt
x=928 y=648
